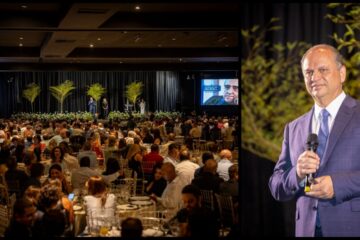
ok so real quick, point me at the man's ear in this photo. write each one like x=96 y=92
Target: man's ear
x=343 y=73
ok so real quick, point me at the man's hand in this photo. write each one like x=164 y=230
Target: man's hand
x=308 y=162
x=322 y=188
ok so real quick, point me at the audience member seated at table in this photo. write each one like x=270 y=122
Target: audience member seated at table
x=49 y=148
x=231 y=187
x=152 y=158
x=208 y=178
x=224 y=164
x=157 y=137
x=204 y=157
x=157 y=184
x=56 y=172
x=57 y=156
x=131 y=228
x=70 y=161
x=36 y=172
x=16 y=179
x=185 y=169
x=110 y=148
x=50 y=200
x=171 y=197
x=196 y=221
x=112 y=167
x=81 y=175
x=33 y=194
x=147 y=137
x=64 y=200
x=99 y=201
x=173 y=154
x=123 y=147
x=22 y=220
x=54 y=224
x=87 y=152
x=135 y=157
x=165 y=147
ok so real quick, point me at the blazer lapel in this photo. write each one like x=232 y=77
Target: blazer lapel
x=341 y=121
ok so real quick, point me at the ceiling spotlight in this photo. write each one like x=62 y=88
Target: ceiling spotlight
x=20 y=45
x=91 y=45
x=23 y=6
x=137 y=38
x=124 y=32
x=99 y=39
x=159 y=45
x=188 y=77
x=120 y=62
x=173 y=39
x=222 y=37
x=137 y=7
x=21 y=38
x=180 y=59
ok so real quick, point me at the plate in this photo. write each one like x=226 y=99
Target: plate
x=77 y=207
x=127 y=207
x=139 y=198
x=152 y=233
x=141 y=203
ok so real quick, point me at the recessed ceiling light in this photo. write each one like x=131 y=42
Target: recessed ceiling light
x=180 y=59
x=173 y=39
x=91 y=45
x=159 y=45
x=21 y=38
x=120 y=62
x=137 y=7
x=20 y=45
x=99 y=39
x=124 y=32
x=23 y=6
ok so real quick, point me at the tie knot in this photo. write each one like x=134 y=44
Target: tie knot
x=324 y=114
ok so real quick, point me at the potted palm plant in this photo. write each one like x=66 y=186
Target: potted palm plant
x=96 y=91
x=60 y=92
x=133 y=91
x=30 y=93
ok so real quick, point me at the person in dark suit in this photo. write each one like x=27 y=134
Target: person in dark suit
x=92 y=107
x=330 y=206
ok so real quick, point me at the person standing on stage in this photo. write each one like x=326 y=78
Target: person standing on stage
x=142 y=106
x=105 y=107
x=92 y=107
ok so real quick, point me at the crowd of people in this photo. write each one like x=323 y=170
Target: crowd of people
x=75 y=151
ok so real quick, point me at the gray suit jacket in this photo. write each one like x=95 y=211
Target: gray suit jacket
x=339 y=216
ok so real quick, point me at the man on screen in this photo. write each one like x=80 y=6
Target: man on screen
x=231 y=94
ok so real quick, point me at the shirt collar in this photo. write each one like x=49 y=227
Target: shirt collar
x=333 y=107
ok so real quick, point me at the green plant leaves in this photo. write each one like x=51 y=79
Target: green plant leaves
x=96 y=91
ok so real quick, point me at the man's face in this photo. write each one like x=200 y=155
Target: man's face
x=190 y=201
x=231 y=91
x=28 y=216
x=322 y=75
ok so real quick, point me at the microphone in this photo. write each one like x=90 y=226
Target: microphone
x=311 y=145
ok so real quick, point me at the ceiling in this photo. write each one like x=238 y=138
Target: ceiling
x=197 y=35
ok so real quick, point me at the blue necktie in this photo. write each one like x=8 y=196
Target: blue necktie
x=323 y=133
x=322 y=136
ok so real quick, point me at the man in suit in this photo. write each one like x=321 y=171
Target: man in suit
x=332 y=205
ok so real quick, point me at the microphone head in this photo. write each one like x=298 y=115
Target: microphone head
x=312 y=142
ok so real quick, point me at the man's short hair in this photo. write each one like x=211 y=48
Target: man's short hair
x=154 y=148
x=85 y=161
x=192 y=189
x=185 y=155
x=233 y=171
x=131 y=228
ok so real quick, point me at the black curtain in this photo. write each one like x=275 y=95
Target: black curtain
x=160 y=90
x=260 y=214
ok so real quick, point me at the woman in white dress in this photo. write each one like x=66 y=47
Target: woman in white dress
x=142 y=106
x=99 y=202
